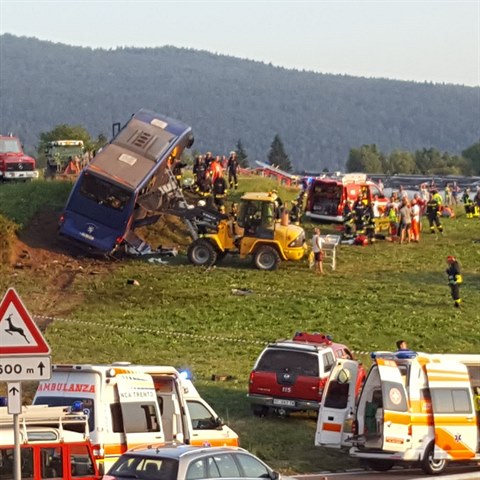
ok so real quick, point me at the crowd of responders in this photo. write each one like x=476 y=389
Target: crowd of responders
x=405 y=214
x=213 y=176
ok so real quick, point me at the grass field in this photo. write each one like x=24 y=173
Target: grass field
x=186 y=316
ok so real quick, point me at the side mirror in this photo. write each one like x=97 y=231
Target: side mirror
x=343 y=376
x=274 y=475
x=219 y=422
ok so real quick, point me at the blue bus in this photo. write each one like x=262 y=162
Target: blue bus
x=126 y=184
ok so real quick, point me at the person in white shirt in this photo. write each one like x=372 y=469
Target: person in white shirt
x=317 y=251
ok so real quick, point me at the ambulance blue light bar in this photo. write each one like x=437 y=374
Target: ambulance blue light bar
x=400 y=354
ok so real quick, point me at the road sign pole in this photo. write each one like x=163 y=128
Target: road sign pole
x=17 y=461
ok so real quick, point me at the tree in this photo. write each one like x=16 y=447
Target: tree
x=472 y=154
x=366 y=159
x=277 y=156
x=242 y=156
x=401 y=162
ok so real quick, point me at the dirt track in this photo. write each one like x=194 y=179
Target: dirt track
x=40 y=253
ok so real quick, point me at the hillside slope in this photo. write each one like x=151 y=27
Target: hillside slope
x=319 y=117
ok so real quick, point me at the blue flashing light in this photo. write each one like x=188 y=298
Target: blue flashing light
x=406 y=354
x=400 y=354
x=3 y=401
x=77 y=406
x=185 y=375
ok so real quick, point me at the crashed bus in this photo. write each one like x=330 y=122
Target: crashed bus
x=126 y=183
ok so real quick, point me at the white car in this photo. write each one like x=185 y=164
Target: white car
x=190 y=463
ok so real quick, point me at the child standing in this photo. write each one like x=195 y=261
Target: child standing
x=454 y=279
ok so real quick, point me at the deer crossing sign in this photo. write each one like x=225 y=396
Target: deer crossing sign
x=24 y=353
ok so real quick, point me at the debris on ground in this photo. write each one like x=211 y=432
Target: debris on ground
x=133 y=282
x=241 y=291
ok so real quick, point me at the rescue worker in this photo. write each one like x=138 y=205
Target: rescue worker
x=468 y=204
x=393 y=219
x=433 y=212
x=348 y=219
x=476 y=204
x=205 y=189
x=219 y=191
x=359 y=209
x=454 y=279
x=232 y=168
x=234 y=211
x=199 y=171
x=370 y=222
x=278 y=204
x=177 y=170
x=215 y=168
x=295 y=213
x=208 y=159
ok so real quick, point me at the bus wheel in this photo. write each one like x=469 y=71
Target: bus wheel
x=380 y=465
x=266 y=258
x=202 y=253
x=431 y=465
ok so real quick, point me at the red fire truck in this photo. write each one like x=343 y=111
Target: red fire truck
x=14 y=164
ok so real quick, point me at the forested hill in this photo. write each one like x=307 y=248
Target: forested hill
x=319 y=117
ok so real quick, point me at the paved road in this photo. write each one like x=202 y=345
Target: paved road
x=451 y=473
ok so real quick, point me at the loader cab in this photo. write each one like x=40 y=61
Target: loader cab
x=257 y=213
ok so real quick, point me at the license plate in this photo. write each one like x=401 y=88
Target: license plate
x=285 y=403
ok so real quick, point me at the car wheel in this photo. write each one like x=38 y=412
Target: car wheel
x=431 y=465
x=266 y=258
x=259 y=410
x=380 y=465
x=202 y=253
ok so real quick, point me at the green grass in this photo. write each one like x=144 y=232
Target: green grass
x=186 y=316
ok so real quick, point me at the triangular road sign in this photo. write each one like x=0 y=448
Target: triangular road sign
x=19 y=335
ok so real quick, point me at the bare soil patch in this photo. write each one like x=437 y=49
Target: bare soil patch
x=41 y=255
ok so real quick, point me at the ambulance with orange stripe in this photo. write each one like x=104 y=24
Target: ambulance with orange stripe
x=413 y=407
x=132 y=405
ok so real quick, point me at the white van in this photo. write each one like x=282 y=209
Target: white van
x=207 y=427
x=413 y=407
x=129 y=405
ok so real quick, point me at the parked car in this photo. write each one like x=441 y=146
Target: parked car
x=189 y=463
x=290 y=375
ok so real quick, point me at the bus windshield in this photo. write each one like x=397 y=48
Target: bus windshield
x=104 y=193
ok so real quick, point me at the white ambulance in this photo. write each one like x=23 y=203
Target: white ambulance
x=414 y=407
x=53 y=444
x=129 y=405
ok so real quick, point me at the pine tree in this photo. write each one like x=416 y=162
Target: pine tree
x=242 y=156
x=277 y=156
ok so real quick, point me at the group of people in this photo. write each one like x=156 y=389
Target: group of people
x=209 y=177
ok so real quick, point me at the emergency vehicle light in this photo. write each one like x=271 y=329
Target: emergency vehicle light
x=406 y=354
x=185 y=375
x=3 y=401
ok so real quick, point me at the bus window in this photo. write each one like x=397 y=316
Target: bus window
x=104 y=193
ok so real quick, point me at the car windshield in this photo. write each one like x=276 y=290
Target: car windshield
x=281 y=360
x=144 y=468
x=10 y=146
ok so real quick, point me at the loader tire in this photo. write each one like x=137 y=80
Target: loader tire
x=202 y=253
x=266 y=258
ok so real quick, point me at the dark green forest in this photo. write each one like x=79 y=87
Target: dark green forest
x=318 y=117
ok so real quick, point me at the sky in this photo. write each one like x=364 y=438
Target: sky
x=415 y=40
